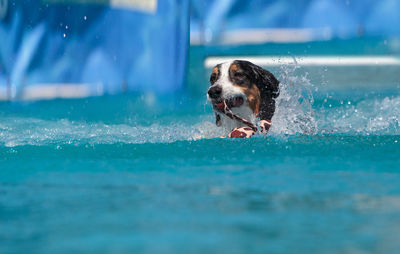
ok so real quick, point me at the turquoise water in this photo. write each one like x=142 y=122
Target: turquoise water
x=149 y=174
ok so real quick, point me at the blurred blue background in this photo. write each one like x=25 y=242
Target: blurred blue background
x=112 y=46
x=324 y=19
x=80 y=48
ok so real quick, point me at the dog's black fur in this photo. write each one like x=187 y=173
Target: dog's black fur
x=266 y=83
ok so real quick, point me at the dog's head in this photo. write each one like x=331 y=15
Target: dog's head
x=241 y=83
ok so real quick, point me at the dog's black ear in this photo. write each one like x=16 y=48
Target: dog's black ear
x=268 y=86
x=265 y=81
x=269 y=90
x=218 y=120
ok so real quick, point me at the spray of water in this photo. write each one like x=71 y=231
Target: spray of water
x=294 y=112
x=377 y=116
x=16 y=131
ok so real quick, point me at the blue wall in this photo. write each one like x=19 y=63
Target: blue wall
x=343 y=18
x=121 y=48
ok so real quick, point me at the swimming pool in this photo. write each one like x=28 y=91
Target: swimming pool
x=146 y=173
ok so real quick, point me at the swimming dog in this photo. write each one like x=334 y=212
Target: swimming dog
x=240 y=92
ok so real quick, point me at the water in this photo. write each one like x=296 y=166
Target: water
x=149 y=174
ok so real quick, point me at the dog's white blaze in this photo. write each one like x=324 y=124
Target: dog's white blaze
x=228 y=89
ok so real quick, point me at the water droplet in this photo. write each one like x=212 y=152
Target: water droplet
x=84 y=17
x=66 y=27
x=64 y=35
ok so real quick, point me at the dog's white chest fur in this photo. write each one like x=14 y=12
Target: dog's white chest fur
x=244 y=112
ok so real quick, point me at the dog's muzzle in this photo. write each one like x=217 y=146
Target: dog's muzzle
x=234 y=102
x=215 y=92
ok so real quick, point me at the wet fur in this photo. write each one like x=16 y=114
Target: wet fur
x=257 y=85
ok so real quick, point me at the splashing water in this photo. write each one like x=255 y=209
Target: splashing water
x=294 y=112
x=377 y=116
x=294 y=115
x=31 y=131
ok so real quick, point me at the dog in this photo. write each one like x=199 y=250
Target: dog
x=240 y=92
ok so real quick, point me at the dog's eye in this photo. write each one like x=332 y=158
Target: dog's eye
x=213 y=77
x=238 y=74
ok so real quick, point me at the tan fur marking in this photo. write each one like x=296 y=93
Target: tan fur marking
x=233 y=68
x=252 y=93
x=216 y=71
x=253 y=97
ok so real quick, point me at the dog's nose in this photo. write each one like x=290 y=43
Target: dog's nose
x=214 y=92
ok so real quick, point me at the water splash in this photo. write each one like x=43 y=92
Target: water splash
x=377 y=116
x=293 y=116
x=294 y=112
x=30 y=131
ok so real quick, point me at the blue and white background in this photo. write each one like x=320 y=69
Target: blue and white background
x=79 y=48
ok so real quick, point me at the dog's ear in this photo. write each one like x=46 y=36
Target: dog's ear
x=218 y=120
x=268 y=86
x=265 y=81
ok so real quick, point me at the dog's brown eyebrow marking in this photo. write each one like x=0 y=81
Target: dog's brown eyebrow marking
x=215 y=70
x=233 y=67
x=215 y=73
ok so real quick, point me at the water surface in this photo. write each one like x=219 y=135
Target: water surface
x=149 y=174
